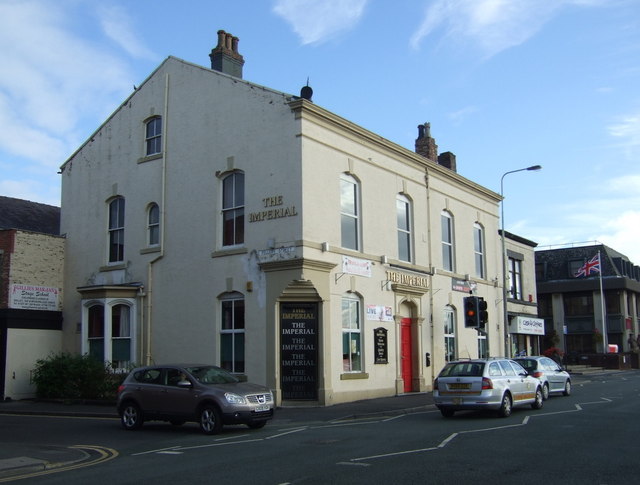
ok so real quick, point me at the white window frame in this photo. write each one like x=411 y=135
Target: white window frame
x=449 y=329
x=479 y=250
x=352 y=331
x=153 y=136
x=236 y=208
x=404 y=233
x=234 y=331
x=153 y=225
x=115 y=229
x=350 y=216
x=108 y=338
x=448 y=241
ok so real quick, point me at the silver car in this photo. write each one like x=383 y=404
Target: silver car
x=485 y=384
x=550 y=374
x=206 y=394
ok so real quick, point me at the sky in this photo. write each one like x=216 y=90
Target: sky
x=505 y=84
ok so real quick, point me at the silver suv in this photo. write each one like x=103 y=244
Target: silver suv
x=206 y=394
x=485 y=384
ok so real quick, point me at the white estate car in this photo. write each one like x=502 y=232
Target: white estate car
x=496 y=384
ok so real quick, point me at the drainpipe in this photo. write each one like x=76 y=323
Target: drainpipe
x=165 y=124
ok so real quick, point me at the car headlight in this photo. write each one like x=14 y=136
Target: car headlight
x=234 y=398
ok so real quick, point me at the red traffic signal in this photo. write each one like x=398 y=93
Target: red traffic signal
x=471 y=312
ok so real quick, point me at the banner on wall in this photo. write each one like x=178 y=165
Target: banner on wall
x=379 y=313
x=31 y=297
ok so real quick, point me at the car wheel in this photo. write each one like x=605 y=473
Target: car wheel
x=505 y=406
x=210 y=421
x=539 y=400
x=257 y=424
x=567 y=388
x=177 y=422
x=446 y=412
x=545 y=391
x=131 y=416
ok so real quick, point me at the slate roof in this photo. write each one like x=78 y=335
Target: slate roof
x=29 y=216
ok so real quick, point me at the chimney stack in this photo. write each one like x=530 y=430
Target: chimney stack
x=225 y=57
x=448 y=160
x=425 y=145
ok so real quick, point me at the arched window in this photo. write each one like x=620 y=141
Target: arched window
x=233 y=209
x=153 y=225
x=349 y=212
x=403 y=217
x=449 y=325
x=116 y=230
x=232 y=332
x=153 y=136
x=448 y=248
x=478 y=249
x=351 y=335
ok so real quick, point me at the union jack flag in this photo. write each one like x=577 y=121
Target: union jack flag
x=590 y=266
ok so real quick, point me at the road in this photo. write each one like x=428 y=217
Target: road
x=589 y=437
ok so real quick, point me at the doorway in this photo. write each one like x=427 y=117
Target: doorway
x=406 y=354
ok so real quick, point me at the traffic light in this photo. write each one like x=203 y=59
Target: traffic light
x=483 y=313
x=471 y=311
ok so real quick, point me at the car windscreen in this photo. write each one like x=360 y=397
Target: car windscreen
x=459 y=369
x=211 y=375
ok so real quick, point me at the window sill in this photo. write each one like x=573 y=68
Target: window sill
x=228 y=252
x=148 y=158
x=155 y=249
x=113 y=267
x=354 y=375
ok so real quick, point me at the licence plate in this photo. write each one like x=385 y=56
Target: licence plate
x=457 y=401
x=456 y=385
x=261 y=409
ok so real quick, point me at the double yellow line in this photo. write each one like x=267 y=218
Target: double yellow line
x=103 y=455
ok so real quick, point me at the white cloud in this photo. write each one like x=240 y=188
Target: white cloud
x=118 y=27
x=318 y=21
x=627 y=130
x=490 y=26
x=607 y=214
x=53 y=81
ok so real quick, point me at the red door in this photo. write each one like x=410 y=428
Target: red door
x=406 y=355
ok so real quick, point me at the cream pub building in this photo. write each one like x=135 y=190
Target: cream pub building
x=210 y=219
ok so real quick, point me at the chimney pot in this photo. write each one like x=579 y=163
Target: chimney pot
x=225 y=56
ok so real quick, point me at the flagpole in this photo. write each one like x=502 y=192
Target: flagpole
x=603 y=304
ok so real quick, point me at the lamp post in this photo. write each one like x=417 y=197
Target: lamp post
x=505 y=314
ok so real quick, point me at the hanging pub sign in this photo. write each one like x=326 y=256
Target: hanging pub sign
x=380 y=339
x=299 y=351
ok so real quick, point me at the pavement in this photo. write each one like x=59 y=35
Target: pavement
x=34 y=459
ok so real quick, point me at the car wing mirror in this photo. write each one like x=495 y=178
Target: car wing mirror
x=184 y=384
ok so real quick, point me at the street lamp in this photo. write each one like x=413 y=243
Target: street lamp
x=505 y=315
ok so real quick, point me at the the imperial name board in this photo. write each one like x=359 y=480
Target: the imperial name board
x=408 y=279
x=273 y=208
x=31 y=297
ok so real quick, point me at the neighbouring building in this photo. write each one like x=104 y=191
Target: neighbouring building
x=212 y=219
x=525 y=331
x=572 y=282
x=31 y=274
